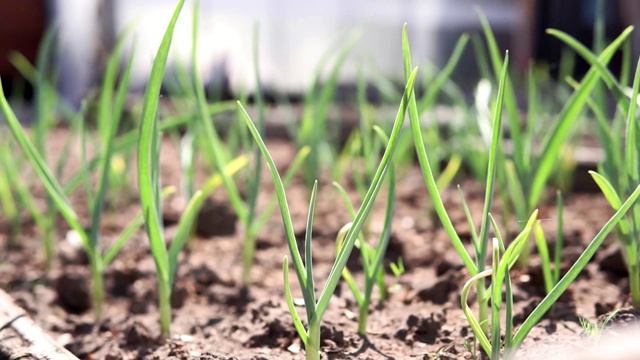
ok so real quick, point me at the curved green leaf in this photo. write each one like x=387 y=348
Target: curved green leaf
x=607 y=190
x=292 y=307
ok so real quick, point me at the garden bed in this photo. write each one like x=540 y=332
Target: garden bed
x=215 y=317
x=203 y=308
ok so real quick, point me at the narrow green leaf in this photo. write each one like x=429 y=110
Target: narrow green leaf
x=428 y=100
x=367 y=203
x=84 y=167
x=607 y=190
x=292 y=308
x=25 y=196
x=612 y=197
x=496 y=229
x=188 y=217
x=385 y=236
x=128 y=231
x=516 y=191
x=346 y=274
x=529 y=135
x=566 y=119
x=481 y=56
x=214 y=143
x=298 y=265
x=7 y=200
x=518 y=245
x=449 y=173
x=468 y=313
x=313 y=127
x=472 y=227
x=543 y=250
x=127 y=141
x=632 y=147
x=108 y=123
x=54 y=189
x=253 y=185
x=559 y=237
x=297 y=162
x=148 y=151
x=483 y=238
x=310 y=299
x=509 y=98
x=598 y=65
x=426 y=166
x=496 y=301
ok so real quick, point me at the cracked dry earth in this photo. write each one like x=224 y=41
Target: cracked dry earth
x=215 y=317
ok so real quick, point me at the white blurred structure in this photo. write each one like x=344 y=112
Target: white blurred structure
x=618 y=343
x=294 y=35
x=78 y=33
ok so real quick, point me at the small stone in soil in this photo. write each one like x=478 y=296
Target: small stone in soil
x=438 y=291
x=179 y=295
x=205 y=276
x=332 y=338
x=216 y=219
x=449 y=261
x=121 y=279
x=603 y=308
x=137 y=334
x=138 y=294
x=424 y=330
x=276 y=335
x=72 y=289
x=83 y=328
x=623 y=317
x=611 y=260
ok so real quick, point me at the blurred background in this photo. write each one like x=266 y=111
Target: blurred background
x=294 y=36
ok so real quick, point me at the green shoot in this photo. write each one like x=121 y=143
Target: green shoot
x=543 y=251
x=315 y=307
x=426 y=168
x=557 y=258
x=128 y=141
x=621 y=171
x=503 y=260
x=24 y=197
x=7 y=200
x=361 y=144
x=372 y=257
x=550 y=269
x=46 y=101
x=166 y=260
x=148 y=176
x=501 y=274
x=215 y=147
x=90 y=237
x=482 y=241
x=533 y=169
x=397 y=269
x=187 y=141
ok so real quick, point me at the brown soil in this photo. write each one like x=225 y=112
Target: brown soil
x=214 y=317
